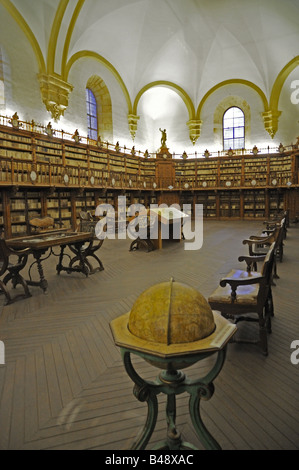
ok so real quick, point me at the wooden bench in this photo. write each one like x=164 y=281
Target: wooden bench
x=245 y=292
x=11 y=271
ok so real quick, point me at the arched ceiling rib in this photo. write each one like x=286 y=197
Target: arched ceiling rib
x=195 y=44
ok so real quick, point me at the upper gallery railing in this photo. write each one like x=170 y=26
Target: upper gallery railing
x=102 y=164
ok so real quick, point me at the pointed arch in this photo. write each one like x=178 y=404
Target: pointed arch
x=233 y=82
x=279 y=82
x=54 y=35
x=162 y=83
x=69 y=35
x=104 y=105
x=94 y=55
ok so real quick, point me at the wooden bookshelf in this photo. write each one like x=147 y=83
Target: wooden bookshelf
x=53 y=175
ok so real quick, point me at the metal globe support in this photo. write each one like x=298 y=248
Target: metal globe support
x=172 y=383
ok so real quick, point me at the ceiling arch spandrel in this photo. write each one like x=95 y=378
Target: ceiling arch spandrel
x=129 y=36
x=186 y=41
x=39 y=15
x=228 y=59
x=279 y=38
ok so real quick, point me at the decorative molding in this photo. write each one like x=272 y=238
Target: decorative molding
x=194 y=129
x=132 y=120
x=271 y=121
x=55 y=94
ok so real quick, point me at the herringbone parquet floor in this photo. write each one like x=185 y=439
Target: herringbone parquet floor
x=63 y=385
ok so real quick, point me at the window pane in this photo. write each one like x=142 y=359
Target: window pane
x=93 y=135
x=238 y=143
x=227 y=144
x=93 y=109
x=228 y=133
x=239 y=132
x=238 y=122
x=228 y=123
x=237 y=112
x=93 y=123
x=229 y=114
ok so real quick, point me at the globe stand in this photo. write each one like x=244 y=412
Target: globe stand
x=173 y=382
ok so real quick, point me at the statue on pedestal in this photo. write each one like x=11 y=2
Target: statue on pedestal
x=163 y=138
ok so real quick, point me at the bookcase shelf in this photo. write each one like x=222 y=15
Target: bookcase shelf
x=44 y=175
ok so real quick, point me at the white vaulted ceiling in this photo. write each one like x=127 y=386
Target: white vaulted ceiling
x=192 y=43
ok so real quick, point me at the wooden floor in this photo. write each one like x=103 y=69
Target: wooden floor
x=64 y=386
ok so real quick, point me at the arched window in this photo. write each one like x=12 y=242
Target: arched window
x=92 y=115
x=233 y=129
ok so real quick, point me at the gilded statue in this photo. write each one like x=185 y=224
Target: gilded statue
x=163 y=137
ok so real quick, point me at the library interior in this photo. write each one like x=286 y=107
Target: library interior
x=149 y=209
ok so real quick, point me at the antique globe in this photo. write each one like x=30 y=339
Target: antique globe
x=169 y=324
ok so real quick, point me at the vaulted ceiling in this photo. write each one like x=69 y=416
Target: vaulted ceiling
x=191 y=46
x=192 y=43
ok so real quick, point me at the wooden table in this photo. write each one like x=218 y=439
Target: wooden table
x=41 y=243
x=157 y=219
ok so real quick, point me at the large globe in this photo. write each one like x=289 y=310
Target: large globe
x=171 y=313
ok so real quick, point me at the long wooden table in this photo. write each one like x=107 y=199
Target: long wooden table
x=39 y=244
x=169 y=222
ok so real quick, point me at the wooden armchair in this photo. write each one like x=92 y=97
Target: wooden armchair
x=11 y=272
x=144 y=226
x=259 y=245
x=88 y=224
x=282 y=220
x=242 y=294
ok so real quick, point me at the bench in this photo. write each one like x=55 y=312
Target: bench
x=243 y=293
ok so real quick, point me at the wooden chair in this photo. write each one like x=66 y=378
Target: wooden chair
x=11 y=271
x=144 y=225
x=259 y=245
x=282 y=220
x=88 y=224
x=242 y=293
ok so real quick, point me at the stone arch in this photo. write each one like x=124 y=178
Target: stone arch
x=228 y=102
x=102 y=96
